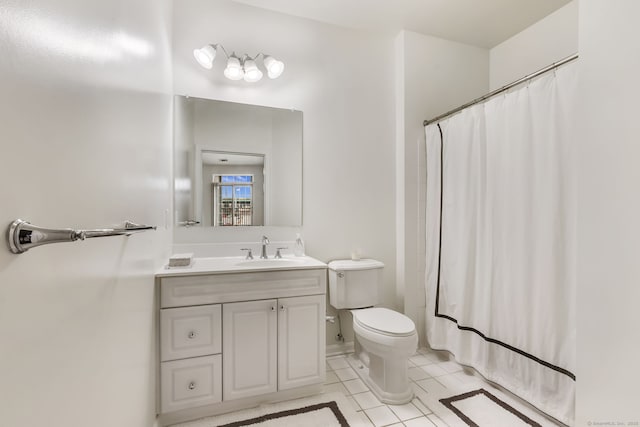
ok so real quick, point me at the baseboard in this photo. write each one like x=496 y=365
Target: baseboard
x=338 y=349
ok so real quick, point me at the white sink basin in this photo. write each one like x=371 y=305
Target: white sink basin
x=240 y=264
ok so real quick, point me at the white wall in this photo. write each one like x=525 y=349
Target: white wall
x=607 y=151
x=549 y=40
x=85 y=104
x=433 y=76
x=342 y=81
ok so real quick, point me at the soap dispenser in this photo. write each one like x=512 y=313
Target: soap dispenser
x=298 y=247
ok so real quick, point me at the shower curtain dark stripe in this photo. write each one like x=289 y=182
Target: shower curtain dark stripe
x=469 y=328
x=440 y=233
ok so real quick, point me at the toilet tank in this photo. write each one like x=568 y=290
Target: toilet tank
x=355 y=284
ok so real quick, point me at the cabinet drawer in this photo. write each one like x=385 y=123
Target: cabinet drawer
x=190 y=332
x=219 y=288
x=191 y=382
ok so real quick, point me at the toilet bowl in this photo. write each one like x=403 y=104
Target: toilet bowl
x=385 y=339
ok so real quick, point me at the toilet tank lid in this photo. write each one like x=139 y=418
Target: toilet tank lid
x=349 y=264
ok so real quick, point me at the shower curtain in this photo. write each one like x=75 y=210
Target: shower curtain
x=501 y=244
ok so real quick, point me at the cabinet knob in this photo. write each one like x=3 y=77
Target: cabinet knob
x=281 y=307
x=273 y=308
x=192 y=335
x=192 y=385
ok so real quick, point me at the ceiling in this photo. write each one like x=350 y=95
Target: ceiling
x=230 y=159
x=484 y=23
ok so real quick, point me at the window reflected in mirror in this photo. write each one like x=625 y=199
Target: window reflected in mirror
x=234 y=201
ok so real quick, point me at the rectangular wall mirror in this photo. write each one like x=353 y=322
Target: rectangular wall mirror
x=236 y=165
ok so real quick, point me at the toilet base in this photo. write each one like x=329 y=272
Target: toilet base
x=396 y=398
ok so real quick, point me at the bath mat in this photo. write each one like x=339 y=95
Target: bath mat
x=324 y=410
x=323 y=414
x=479 y=408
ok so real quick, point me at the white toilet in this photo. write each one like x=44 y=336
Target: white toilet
x=384 y=339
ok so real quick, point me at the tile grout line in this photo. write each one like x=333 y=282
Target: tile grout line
x=430 y=416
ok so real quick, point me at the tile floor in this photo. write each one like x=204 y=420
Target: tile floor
x=433 y=377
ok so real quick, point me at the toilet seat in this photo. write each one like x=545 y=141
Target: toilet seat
x=384 y=321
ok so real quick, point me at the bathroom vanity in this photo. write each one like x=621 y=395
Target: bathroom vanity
x=235 y=333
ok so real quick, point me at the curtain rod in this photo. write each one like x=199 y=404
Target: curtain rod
x=502 y=89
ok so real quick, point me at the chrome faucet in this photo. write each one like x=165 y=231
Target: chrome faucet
x=265 y=242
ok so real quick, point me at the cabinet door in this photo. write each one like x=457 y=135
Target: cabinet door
x=301 y=341
x=249 y=348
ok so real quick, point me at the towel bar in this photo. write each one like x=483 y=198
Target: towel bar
x=23 y=236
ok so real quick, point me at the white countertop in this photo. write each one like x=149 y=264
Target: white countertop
x=219 y=265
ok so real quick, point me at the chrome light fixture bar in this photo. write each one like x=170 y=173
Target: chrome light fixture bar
x=239 y=68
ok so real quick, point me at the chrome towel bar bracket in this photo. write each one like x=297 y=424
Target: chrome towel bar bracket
x=23 y=236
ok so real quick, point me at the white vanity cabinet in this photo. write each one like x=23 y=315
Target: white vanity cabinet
x=250 y=348
x=190 y=331
x=301 y=341
x=236 y=339
x=191 y=364
x=272 y=345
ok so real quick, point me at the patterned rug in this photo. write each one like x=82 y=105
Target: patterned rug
x=479 y=408
x=325 y=410
x=322 y=414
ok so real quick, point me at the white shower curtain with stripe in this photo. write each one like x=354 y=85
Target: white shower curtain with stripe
x=501 y=244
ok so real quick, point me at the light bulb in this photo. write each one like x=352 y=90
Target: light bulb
x=205 y=56
x=251 y=72
x=274 y=67
x=234 y=69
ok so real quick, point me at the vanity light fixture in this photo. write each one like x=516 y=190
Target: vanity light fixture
x=239 y=68
x=205 y=56
x=274 y=67
x=234 y=70
x=251 y=72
